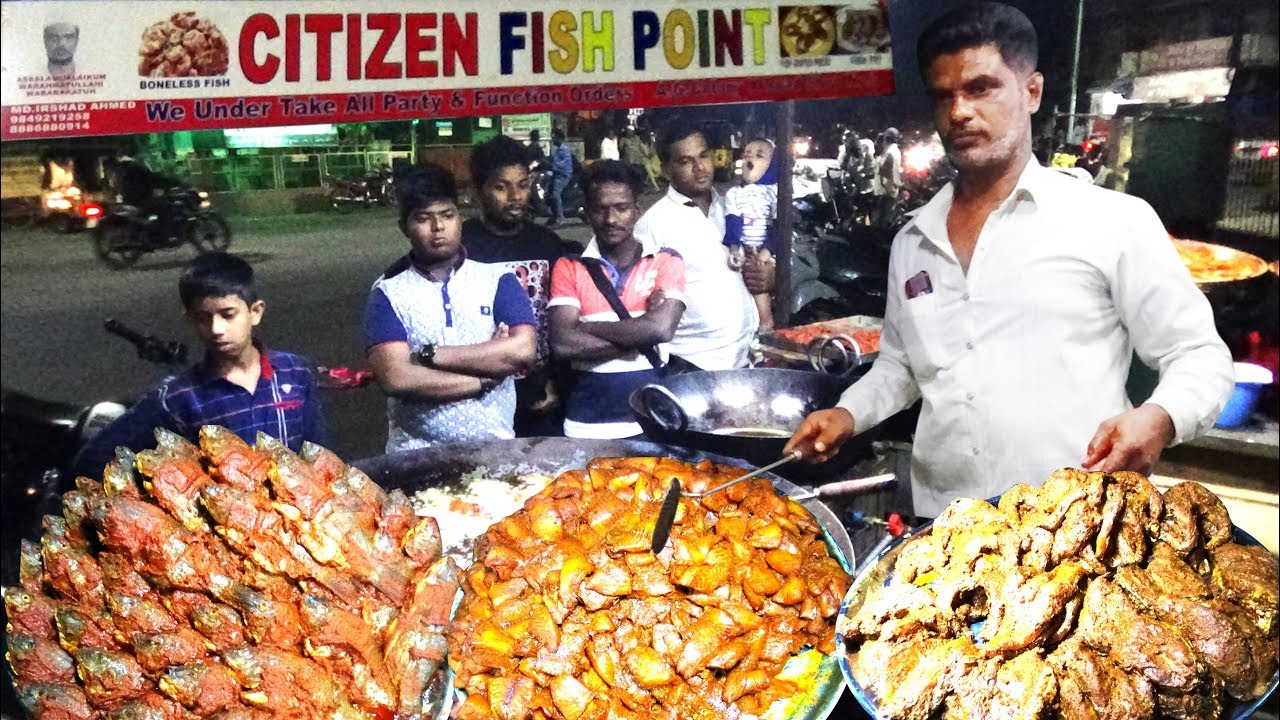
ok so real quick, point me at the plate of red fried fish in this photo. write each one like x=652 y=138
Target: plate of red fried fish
x=235 y=582
x=1094 y=596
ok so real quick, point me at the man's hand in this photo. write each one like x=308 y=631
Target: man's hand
x=655 y=300
x=758 y=271
x=549 y=401
x=1131 y=440
x=821 y=435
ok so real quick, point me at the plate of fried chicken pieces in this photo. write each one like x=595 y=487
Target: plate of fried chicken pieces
x=568 y=613
x=1092 y=597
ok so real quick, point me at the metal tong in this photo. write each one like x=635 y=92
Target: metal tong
x=667 y=514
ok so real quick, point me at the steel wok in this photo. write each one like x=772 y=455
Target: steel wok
x=703 y=409
x=415 y=470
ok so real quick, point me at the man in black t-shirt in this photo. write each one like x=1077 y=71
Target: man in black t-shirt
x=503 y=235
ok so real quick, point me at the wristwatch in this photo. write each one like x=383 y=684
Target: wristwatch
x=427 y=355
x=487 y=384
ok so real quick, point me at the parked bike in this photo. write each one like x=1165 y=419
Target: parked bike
x=376 y=190
x=122 y=234
x=837 y=271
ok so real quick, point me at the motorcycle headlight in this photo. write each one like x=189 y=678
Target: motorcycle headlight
x=202 y=194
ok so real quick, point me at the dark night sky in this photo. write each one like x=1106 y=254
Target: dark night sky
x=909 y=106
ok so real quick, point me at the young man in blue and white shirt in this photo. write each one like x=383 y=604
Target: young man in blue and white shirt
x=445 y=335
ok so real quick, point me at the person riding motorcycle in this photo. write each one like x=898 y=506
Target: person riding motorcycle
x=144 y=189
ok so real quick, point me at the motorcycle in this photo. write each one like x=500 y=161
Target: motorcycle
x=41 y=441
x=122 y=234
x=837 y=271
x=571 y=197
x=376 y=190
x=63 y=209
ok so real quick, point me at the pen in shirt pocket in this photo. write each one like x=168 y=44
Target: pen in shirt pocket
x=918 y=284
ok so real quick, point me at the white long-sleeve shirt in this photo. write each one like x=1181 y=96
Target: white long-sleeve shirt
x=719 y=316
x=1020 y=360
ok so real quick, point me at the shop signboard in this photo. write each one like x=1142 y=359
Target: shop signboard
x=519 y=126
x=98 y=67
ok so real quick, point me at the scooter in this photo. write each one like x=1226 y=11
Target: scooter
x=376 y=190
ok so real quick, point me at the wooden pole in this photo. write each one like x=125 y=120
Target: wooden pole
x=783 y=290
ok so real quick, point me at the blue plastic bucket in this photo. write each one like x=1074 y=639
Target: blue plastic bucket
x=1250 y=379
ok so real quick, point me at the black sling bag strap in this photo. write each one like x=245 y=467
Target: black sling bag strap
x=611 y=295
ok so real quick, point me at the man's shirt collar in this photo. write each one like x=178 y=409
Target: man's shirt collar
x=422 y=270
x=930 y=220
x=648 y=247
x=205 y=372
x=680 y=198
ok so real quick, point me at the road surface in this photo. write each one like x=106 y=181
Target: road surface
x=314 y=272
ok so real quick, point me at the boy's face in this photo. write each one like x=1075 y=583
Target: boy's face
x=225 y=324
x=756 y=157
x=434 y=231
x=505 y=196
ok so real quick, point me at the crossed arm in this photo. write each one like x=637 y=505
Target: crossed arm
x=460 y=370
x=573 y=339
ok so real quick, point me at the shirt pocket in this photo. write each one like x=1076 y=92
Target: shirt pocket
x=923 y=334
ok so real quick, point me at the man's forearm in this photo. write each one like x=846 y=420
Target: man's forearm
x=886 y=389
x=574 y=343
x=497 y=358
x=422 y=383
x=632 y=333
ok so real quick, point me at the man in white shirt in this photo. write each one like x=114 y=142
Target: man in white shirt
x=720 y=316
x=609 y=145
x=888 y=180
x=1017 y=297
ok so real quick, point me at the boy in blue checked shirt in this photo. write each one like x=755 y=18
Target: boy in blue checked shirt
x=239 y=384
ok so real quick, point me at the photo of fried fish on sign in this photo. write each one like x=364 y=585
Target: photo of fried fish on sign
x=182 y=45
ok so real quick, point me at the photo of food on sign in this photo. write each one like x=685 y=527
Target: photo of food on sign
x=808 y=31
x=183 y=45
x=814 y=31
x=863 y=27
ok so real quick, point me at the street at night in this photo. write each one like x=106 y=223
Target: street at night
x=315 y=271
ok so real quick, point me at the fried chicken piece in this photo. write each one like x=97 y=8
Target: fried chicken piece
x=918 y=557
x=1030 y=606
x=902 y=611
x=1023 y=688
x=920 y=674
x=1193 y=516
x=1110 y=623
x=1139 y=520
x=1248 y=576
x=1092 y=687
x=1174 y=576
x=969 y=529
x=1061 y=492
x=1208 y=625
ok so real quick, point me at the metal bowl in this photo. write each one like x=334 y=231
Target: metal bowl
x=879 y=572
x=443 y=466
